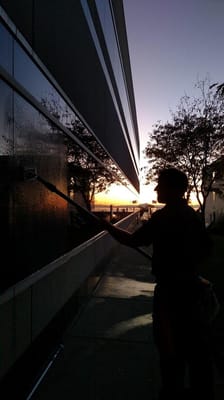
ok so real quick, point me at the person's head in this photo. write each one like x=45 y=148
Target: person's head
x=172 y=184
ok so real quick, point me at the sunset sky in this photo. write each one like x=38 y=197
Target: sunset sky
x=172 y=44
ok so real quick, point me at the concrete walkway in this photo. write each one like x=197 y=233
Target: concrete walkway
x=108 y=351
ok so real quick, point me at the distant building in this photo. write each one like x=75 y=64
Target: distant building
x=215 y=201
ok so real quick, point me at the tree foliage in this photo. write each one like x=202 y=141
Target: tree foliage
x=192 y=141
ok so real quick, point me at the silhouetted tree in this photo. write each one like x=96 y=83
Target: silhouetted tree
x=192 y=141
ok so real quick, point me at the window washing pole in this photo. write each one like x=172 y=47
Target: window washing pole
x=30 y=174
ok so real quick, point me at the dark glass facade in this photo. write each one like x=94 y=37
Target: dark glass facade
x=6 y=52
x=41 y=131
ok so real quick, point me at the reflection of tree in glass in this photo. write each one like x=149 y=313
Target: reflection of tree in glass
x=58 y=108
x=192 y=141
x=86 y=175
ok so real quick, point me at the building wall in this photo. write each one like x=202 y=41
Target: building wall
x=29 y=307
x=34 y=221
x=37 y=119
x=214 y=208
x=77 y=43
x=52 y=80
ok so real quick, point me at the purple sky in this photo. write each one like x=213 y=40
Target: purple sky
x=172 y=43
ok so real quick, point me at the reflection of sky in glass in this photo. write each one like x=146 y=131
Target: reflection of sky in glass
x=29 y=123
x=33 y=132
x=6 y=49
x=108 y=29
x=29 y=75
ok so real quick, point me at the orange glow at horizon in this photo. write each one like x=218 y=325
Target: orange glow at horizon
x=120 y=195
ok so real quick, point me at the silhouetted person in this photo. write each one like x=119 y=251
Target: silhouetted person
x=179 y=242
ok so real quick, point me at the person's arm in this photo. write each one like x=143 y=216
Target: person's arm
x=141 y=237
x=119 y=234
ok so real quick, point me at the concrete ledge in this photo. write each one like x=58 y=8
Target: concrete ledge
x=28 y=307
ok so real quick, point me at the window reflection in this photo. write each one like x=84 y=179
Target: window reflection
x=86 y=176
x=6 y=50
x=6 y=126
x=28 y=74
x=34 y=81
x=33 y=132
x=38 y=225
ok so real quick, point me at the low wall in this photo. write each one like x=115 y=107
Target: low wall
x=28 y=307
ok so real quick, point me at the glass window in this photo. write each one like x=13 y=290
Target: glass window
x=33 y=132
x=28 y=74
x=6 y=49
x=6 y=120
x=34 y=220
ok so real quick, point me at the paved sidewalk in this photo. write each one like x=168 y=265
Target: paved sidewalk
x=108 y=349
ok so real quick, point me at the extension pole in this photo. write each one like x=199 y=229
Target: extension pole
x=87 y=213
